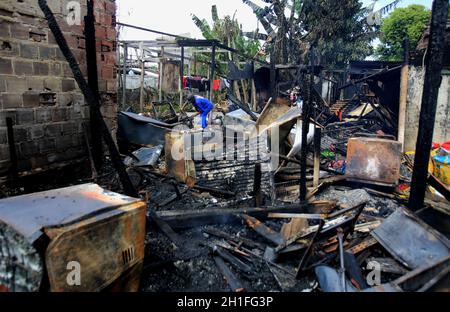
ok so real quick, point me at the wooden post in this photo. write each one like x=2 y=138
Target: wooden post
x=305 y=129
x=254 y=101
x=141 y=101
x=90 y=99
x=257 y=186
x=161 y=74
x=433 y=78
x=124 y=75
x=213 y=69
x=403 y=96
x=317 y=150
x=273 y=74
x=181 y=76
x=91 y=61
x=237 y=90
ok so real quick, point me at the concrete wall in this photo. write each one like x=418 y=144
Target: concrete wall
x=37 y=89
x=442 y=125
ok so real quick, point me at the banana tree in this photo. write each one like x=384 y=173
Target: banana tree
x=229 y=32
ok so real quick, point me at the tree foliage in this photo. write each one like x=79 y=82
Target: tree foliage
x=402 y=23
x=337 y=30
x=229 y=32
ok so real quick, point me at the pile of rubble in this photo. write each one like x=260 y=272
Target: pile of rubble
x=230 y=225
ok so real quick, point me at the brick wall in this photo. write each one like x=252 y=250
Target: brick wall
x=37 y=88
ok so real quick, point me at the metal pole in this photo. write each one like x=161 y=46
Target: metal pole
x=91 y=56
x=141 y=101
x=317 y=144
x=433 y=78
x=213 y=68
x=181 y=76
x=124 y=75
x=161 y=74
x=305 y=129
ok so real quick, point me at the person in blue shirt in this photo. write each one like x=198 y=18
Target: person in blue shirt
x=201 y=105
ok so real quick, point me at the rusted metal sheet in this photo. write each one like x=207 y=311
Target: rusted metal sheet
x=29 y=214
x=411 y=241
x=271 y=113
x=374 y=160
x=182 y=169
x=141 y=130
x=101 y=232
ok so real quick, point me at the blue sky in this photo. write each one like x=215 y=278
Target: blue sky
x=173 y=16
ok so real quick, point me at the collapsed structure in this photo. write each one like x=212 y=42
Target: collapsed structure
x=300 y=185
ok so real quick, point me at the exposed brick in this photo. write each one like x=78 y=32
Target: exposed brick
x=35 y=83
x=65 y=99
x=111 y=33
x=107 y=72
x=31 y=99
x=53 y=84
x=47 y=145
x=23 y=68
x=47 y=53
x=64 y=142
x=69 y=128
x=29 y=51
x=3 y=136
x=37 y=36
x=43 y=115
x=55 y=69
x=18 y=31
x=11 y=100
x=36 y=132
x=53 y=130
x=110 y=7
x=4 y=29
x=59 y=114
x=16 y=84
x=25 y=117
x=20 y=134
x=7 y=114
x=6 y=66
x=41 y=69
x=81 y=42
x=59 y=55
x=111 y=86
x=4 y=152
x=9 y=48
x=28 y=149
x=68 y=85
x=2 y=84
x=67 y=71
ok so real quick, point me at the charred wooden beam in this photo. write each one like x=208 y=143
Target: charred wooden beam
x=433 y=78
x=232 y=260
x=306 y=116
x=192 y=218
x=233 y=238
x=232 y=280
x=265 y=231
x=91 y=61
x=307 y=253
x=90 y=98
x=214 y=191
